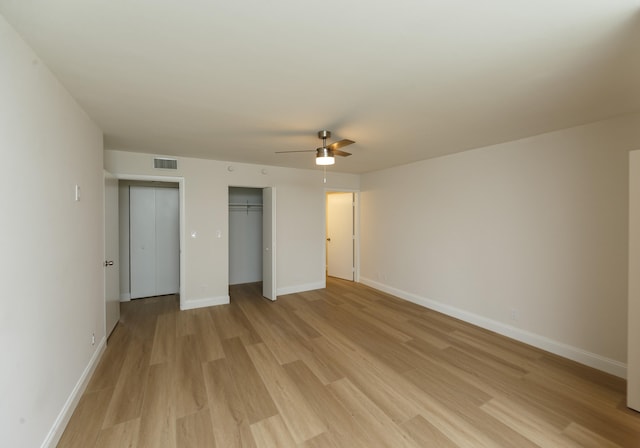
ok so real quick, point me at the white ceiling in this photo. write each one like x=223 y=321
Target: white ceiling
x=407 y=79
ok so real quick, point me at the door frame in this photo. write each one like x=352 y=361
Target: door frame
x=633 y=310
x=274 y=228
x=181 y=195
x=356 y=231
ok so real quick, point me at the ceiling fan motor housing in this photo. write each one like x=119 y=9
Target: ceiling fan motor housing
x=324 y=134
x=324 y=152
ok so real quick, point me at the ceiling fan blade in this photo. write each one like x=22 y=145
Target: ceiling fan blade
x=337 y=152
x=304 y=150
x=340 y=144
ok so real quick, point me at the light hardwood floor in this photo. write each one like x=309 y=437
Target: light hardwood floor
x=343 y=367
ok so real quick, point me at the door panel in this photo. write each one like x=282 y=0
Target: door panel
x=142 y=241
x=111 y=252
x=340 y=235
x=167 y=241
x=269 y=243
x=154 y=241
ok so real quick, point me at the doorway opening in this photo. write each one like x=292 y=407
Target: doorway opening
x=252 y=249
x=245 y=235
x=151 y=217
x=341 y=235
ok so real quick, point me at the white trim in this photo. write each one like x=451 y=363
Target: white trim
x=633 y=291
x=65 y=414
x=301 y=288
x=203 y=302
x=590 y=359
x=125 y=296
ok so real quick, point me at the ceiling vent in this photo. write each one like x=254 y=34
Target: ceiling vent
x=165 y=164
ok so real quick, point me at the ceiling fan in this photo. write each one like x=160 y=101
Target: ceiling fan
x=326 y=154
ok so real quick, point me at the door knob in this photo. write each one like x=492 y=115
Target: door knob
x=329 y=239
x=108 y=263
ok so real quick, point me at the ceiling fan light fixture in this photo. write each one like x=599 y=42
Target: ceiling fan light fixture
x=325 y=160
x=324 y=157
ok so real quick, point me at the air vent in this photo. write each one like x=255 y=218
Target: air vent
x=166 y=164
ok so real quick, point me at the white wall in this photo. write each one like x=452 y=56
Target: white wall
x=300 y=219
x=528 y=238
x=633 y=374
x=52 y=247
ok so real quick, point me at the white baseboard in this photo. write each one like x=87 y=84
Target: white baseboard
x=301 y=288
x=205 y=301
x=64 y=416
x=125 y=297
x=590 y=359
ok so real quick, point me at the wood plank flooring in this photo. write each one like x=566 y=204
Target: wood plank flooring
x=347 y=366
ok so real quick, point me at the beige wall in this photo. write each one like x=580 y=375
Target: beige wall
x=299 y=217
x=528 y=238
x=52 y=248
x=633 y=385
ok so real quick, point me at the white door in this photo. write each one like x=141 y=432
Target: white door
x=111 y=253
x=154 y=240
x=167 y=241
x=142 y=241
x=340 y=235
x=269 y=243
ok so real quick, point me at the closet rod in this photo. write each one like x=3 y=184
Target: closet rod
x=236 y=206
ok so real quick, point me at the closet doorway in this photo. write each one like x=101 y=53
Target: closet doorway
x=341 y=242
x=150 y=238
x=245 y=235
x=252 y=248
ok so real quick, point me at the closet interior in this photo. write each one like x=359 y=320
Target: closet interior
x=245 y=235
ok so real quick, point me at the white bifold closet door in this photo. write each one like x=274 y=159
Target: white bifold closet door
x=154 y=226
